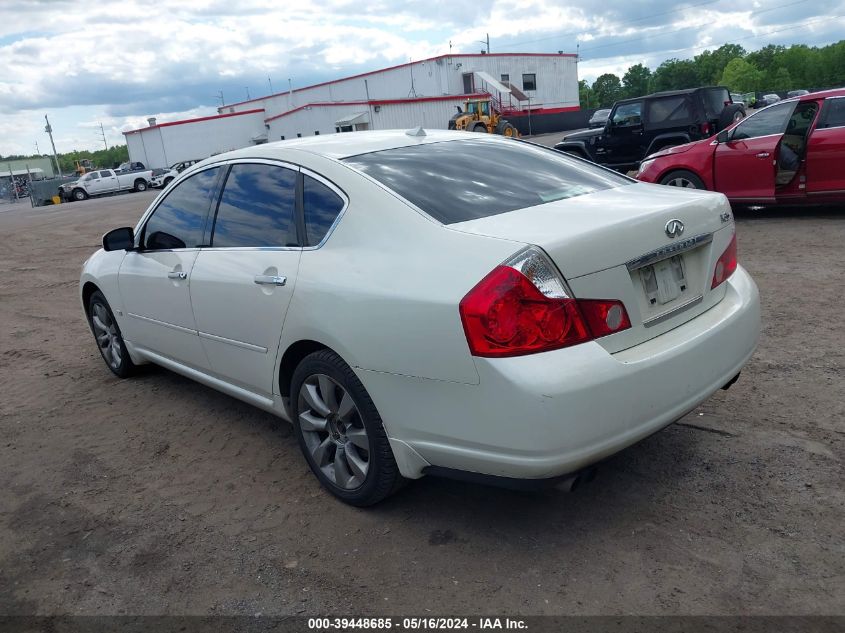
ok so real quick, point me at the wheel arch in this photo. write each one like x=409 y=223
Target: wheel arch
x=666 y=140
x=88 y=289
x=292 y=357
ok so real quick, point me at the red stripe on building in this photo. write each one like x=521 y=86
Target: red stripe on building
x=204 y=118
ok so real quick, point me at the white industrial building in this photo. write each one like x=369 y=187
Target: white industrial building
x=523 y=86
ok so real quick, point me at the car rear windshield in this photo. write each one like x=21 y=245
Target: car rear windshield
x=456 y=181
x=714 y=101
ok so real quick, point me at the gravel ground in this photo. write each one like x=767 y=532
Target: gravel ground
x=159 y=496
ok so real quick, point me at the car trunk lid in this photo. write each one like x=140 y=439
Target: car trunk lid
x=613 y=244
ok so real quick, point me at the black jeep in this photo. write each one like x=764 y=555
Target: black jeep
x=639 y=127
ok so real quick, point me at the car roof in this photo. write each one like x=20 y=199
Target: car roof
x=835 y=92
x=345 y=144
x=672 y=93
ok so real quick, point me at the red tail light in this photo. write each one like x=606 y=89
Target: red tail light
x=725 y=265
x=523 y=307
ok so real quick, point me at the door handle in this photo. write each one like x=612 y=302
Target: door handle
x=270 y=280
x=177 y=275
x=763 y=155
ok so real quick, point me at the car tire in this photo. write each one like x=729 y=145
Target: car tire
x=140 y=185
x=682 y=178
x=79 y=195
x=730 y=115
x=340 y=431
x=167 y=181
x=108 y=336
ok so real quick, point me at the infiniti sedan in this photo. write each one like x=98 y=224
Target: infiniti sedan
x=431 y=302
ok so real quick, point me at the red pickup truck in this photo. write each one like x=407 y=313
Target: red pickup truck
x=792 y=152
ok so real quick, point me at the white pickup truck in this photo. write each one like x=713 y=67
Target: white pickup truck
x=102 y=181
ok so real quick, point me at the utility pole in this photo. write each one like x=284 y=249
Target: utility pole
x=103 y=134
x=488 y=43
x=219 y=95
x=247 y=93
x=269 y=81
x=49 y=130
x=37 y=151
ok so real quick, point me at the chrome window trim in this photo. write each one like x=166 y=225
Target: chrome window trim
x=245 y=160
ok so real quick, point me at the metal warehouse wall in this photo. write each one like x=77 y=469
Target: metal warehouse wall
x=429 y=114
x=164 y=145
x=322 y=118
x=556 y=79
x=44 y=163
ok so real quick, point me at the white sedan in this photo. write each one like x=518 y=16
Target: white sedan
x=433 y=302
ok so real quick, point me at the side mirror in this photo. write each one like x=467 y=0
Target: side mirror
x=723 y=136
x=119 y=239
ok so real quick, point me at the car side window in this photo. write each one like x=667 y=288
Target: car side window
x=105 y=174
x=668 y=111
x=321 y=206
x=834 y=113
x=257 y=207
x=93 y=176
x=628 y=114
x=179 y=220
x=772 y=120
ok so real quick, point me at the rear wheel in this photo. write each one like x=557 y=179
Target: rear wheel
x=140 y=185
x=479 y=127
x=340 y=431
x=682 y=178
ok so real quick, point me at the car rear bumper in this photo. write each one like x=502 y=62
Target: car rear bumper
x=545 y=415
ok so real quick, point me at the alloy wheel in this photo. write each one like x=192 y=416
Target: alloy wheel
x=333 y=431
x=681 y=182
x=108 y=338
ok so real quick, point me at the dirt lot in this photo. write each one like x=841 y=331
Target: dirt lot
x=157 y=495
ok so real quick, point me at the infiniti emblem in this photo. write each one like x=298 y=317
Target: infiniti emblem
x=674 y=228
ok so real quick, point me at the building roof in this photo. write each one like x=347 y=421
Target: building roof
x=204 y=118
x=405 y=65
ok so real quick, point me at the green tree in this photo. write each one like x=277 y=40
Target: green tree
x=607 y=89
x=635 y=81
x=780 y=81
x=586 y=96
x=741 y=76
x=675 y=74
x=711 y=64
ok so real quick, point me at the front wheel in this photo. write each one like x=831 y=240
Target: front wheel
x=340 y=431
x=479 y=127
x=79 y=195
x=140 y=185
x=108 y=336
x=682 y=178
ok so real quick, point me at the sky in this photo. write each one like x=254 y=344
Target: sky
x=116 y=63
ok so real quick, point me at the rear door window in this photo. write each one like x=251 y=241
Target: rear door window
x=456 y=181
x=257 y=207
x=179 y=220
x=834 y=113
